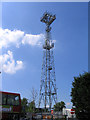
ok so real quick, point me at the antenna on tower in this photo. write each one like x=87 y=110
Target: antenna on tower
x=48 y=90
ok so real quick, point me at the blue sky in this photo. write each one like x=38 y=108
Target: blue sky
x=70 y=30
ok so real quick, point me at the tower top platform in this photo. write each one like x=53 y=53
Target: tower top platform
x=48 y=18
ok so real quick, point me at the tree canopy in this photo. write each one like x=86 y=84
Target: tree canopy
x=59 y=106
x=31 y=106
x=24 y=104
x=27 y=106
x=81 y=95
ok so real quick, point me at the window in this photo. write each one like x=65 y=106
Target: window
x=4 y=99
x=16 y=100
x=0 y=98
x=13 y=100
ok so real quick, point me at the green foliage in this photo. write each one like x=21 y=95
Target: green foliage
x=59 y=106
x=27 y=106
x=24 y=104
x=81 y=95
x=24 y=101
x=31 y=106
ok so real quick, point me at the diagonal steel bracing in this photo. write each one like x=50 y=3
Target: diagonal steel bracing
x=48 y=90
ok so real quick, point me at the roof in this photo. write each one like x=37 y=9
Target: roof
x=10 y=93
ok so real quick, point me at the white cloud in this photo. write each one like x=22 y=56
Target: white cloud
x=17 y=37
x=8 y=37
x=33 y=39
x=8 y=63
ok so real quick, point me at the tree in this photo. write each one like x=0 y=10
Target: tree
x=81 y=95
x=59 y=106
x=24 y=106
x=34 y=95
x=31 y=106
x=27 y=106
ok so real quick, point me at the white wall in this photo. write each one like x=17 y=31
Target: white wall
x=68 y=113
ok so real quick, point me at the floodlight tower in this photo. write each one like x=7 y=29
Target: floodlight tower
x=48 y=90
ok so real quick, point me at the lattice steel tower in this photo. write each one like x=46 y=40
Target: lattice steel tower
x=48 y=90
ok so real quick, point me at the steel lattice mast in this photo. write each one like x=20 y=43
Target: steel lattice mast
x=48 y=91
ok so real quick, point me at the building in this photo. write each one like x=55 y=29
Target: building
x=68 y=114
